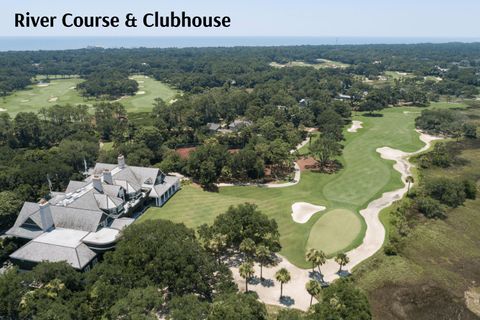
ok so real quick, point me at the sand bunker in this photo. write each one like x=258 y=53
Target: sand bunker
x=71 y=88
x=303 y=211
x=140 y=92
x=140 y=81
x=24 y=100
x=173 y=100
x=43 y=85
x=355 y=126
x=2 y=110
x=53 y=99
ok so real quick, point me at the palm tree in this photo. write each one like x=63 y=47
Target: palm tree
x=320 y=260
x=409 y=180
x=282 y=276
x=263 y=256
x=248 y=248
x=342 y=259
x=246 y=272
x=313 y=288
x=317 y=258
x=310 y=257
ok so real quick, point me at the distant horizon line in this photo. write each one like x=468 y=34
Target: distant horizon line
x=236 y=36
x=65 y=42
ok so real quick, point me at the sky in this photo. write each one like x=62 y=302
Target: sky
x=320 y=18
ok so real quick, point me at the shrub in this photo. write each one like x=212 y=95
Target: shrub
x=470 y=189
x=470 y=130
x=447 y=191
x=440 y=156
x=430 y=208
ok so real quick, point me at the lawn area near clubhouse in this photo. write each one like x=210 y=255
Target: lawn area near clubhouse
x=365 y=177
x=62 y=91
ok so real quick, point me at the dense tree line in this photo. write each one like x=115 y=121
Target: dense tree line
x=108 y=83
x=446 y=122
x=195 y=69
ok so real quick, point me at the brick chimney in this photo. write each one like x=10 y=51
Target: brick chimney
x=97 y=183
x=107 y=176
x=121 y=161
x=45 y=215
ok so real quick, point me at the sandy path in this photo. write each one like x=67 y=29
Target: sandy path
x=372 y=242
x=355 y=126
x=3 y=110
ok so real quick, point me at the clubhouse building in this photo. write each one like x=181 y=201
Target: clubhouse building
x=81 y=223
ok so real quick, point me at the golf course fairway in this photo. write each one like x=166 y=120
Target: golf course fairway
x=364 y=177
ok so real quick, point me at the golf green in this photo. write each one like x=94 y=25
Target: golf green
x=334 y=231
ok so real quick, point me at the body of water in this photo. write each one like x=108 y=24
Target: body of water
x=64 y=43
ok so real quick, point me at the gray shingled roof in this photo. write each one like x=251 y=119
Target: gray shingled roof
x=75 y=185
x=143 y=173
x=100 y=167
x=28 y=209
x=106 y=202
x=77 y=255
x=163 y=187
x=121 y=223
x=78 y=219
x=111 y=190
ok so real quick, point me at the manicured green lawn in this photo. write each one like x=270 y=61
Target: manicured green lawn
x=365 y=176
x=62 y=91
x=335 y=231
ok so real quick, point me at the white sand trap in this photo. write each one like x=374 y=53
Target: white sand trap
x=71 y=88
x=408 y=112
x=303 y=211
x=43 y=85
x=173 y=100
x=140 y=92
x=24 y=100
x=355 y=126
x=3 y=110
x=140 y=81
x=53 y=99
